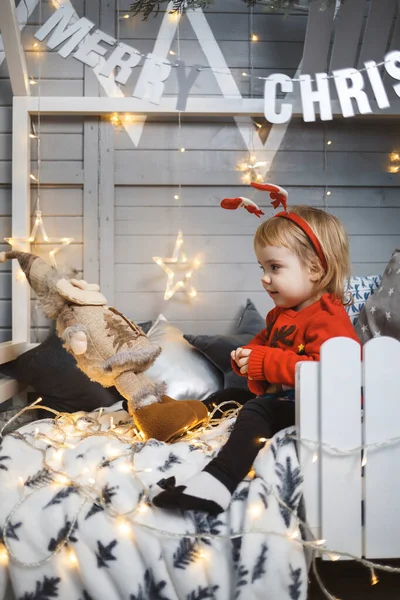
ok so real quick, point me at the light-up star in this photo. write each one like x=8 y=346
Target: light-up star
x=178 y=266
x=250 y=169
x=38 y=227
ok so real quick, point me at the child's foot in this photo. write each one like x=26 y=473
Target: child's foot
x=202 y=492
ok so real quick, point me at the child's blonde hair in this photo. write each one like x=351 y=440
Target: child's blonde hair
x=332 y=237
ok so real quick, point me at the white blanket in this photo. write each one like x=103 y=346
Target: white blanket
x=145 y=555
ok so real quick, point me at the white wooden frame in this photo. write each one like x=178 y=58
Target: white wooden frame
x=26 y=106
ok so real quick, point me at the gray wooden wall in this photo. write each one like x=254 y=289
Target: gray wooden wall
x=117 y=200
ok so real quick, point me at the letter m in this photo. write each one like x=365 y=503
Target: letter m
x=75 y=32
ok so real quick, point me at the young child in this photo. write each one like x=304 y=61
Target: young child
x=304 y=258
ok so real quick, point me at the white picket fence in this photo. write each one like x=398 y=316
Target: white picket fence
x=355 y=509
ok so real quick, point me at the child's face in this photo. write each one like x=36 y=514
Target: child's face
x=288 y=282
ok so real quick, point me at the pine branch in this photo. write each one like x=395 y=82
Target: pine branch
x=148 y=7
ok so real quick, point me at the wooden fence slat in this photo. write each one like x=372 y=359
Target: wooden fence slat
x=308 y=427
x=340 y=392
x=318 y=36
x=347 y=34
x=381 y=422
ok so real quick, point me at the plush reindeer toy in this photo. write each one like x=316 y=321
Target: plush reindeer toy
x=108 y=347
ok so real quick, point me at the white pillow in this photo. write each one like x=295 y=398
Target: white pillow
x=187 y=373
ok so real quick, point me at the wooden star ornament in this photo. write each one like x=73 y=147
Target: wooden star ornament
x=39 y=228
x=179 y=270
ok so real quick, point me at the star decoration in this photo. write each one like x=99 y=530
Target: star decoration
x=388 y=315
x=250 y=170
x=380 y=289
x=377 y=333
x=398 y=272
x=38 y=227
x=300 y=348
x=391 y=291
x=364 y=328
x=180 y=267
x=372 y=309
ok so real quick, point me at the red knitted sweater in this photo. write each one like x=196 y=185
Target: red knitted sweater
x=291 y=337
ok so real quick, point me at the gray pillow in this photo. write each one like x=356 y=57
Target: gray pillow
x=381 y=312
x=217 y=348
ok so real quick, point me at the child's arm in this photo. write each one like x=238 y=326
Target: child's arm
x=279 y=366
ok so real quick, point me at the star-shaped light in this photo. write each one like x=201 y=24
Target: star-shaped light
x=250 y=170
x=178 y=266
x=38 y=227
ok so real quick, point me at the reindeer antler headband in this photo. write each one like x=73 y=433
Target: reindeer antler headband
x=278 y=196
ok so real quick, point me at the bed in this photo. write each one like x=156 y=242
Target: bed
x=88 y=530
x=77 y=521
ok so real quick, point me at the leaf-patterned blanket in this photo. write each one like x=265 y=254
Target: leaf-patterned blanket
x=152 y=554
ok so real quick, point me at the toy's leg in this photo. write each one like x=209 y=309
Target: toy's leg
x=199 y=408
x=154 y=418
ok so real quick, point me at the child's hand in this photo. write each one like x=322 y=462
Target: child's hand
x=241 y=358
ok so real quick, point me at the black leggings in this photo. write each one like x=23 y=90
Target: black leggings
x=261 y=417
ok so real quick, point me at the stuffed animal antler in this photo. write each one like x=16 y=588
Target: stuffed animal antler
x=108 y=348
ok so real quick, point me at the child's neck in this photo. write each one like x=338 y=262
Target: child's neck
x=308 y=302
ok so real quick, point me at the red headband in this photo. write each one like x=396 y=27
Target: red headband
x=279 y=196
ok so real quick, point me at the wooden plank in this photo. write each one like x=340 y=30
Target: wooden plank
x=61 y=172
x=340 y=391
x=21 y=216
x=347 y=34
x=91 y=265
x=142 y=306
x=272 y=55
x=16 y=62
x=106 y=210
x=377 y=31
x=224 y=277
x=60 y=202
x=318 y=35
x=62 y=124
x=232 y=106
x=5 y=120
x=209 y=277
x=235 y=248
x=271 y=27
x=64 y=226
x=54 y=147
x=6 y=95
x=91 y=201
x=48 y=9
x=5 y=334
x=381 y=418
x=285 y=178
x=308 y=428
x=212 y=195
x=213 y=220
x=59 y=87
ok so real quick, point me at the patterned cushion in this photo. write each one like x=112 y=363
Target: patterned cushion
x=361 y=289
x=381 y=312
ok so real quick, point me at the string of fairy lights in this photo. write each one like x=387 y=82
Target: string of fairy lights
x=69 y=430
